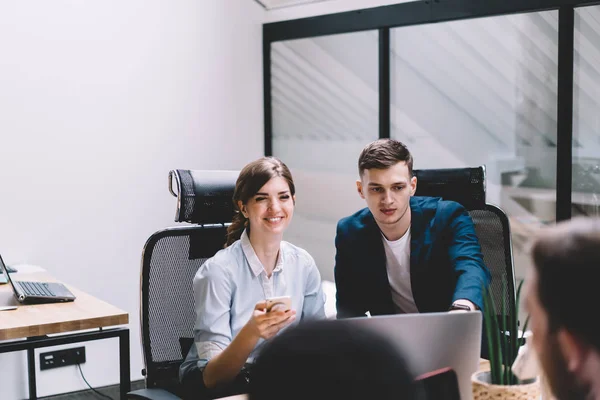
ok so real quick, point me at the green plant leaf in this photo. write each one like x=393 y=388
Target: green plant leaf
x=493 y=334
x=515 y=339
x=489 y=335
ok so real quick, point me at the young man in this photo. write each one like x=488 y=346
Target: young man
x=404 y=254
x=562 y=301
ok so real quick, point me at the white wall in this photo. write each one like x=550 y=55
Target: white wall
x=99 y=99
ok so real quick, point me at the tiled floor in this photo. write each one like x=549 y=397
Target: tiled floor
x=110 y=391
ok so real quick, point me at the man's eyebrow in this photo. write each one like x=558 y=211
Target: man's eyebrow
x=379 y=184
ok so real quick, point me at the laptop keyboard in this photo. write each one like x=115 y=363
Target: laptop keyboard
x=36 y=289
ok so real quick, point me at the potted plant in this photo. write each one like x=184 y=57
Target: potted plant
x=504 y=341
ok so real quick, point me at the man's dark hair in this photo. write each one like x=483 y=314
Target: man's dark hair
x=384 y=153
x=567 y=262
x=330 y=360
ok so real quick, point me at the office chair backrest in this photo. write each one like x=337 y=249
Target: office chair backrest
x=463 y=185
x=203 y=197
x=467 y=187
x=170 y=260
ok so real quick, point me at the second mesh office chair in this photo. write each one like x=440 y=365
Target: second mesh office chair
x=467 y=187
x=170 y=260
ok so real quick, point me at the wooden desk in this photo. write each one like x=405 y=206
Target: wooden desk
x=35 y=322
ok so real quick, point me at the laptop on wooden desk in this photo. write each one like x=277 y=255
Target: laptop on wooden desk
x=28 y=292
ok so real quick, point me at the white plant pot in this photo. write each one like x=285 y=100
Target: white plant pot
x=484 y=390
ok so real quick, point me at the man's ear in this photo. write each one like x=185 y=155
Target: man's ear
x=574 y=351
x=413 y=185
x=360 y=189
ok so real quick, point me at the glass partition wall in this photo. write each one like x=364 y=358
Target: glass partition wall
x=324 y=95
x=462 y=83
x=483 y=92
x=586 y=115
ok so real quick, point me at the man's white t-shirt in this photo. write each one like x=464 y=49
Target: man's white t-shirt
x=397 y=256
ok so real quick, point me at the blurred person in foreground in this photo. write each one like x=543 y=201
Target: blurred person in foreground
x=562 y=301
x=331 y=360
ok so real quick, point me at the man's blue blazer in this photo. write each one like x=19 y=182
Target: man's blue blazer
x=446 y=263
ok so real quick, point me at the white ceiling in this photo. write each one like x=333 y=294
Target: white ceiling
x=272 y=4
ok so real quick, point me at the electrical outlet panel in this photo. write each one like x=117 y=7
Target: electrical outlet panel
x=61 y=358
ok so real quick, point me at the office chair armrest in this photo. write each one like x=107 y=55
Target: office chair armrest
x=151 y=394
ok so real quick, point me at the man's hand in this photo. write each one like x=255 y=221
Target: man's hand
x=464 y=303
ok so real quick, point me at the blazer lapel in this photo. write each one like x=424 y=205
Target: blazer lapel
x=417 y=239
x=417 y=230
x=377 y=265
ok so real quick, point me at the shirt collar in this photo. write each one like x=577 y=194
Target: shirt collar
x=252 y=258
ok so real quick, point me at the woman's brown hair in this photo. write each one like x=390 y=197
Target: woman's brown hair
x=252 y=177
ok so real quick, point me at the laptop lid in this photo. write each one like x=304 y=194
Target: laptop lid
x=5 y=272
x=433 y=341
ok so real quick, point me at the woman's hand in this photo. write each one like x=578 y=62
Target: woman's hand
x=266 y=324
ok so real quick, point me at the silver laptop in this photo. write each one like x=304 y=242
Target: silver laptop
x=37 y=292
x=433 y=341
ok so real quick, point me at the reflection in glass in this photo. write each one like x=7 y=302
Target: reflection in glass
x=484 y=92
x=324 y=109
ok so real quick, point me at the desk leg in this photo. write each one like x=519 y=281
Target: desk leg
x=124 y=363
x=31 y=369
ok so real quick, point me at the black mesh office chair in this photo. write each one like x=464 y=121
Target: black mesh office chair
x=170 y=260
x=467 y=187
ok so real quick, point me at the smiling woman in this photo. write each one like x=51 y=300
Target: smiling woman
x=270 y=210
x=231 y=289
x=264 y=197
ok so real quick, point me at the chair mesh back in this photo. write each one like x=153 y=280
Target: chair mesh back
x=493 y=232
x=171 y=259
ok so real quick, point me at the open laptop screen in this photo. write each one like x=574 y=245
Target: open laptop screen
x=432 y=341
x=5 y=272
